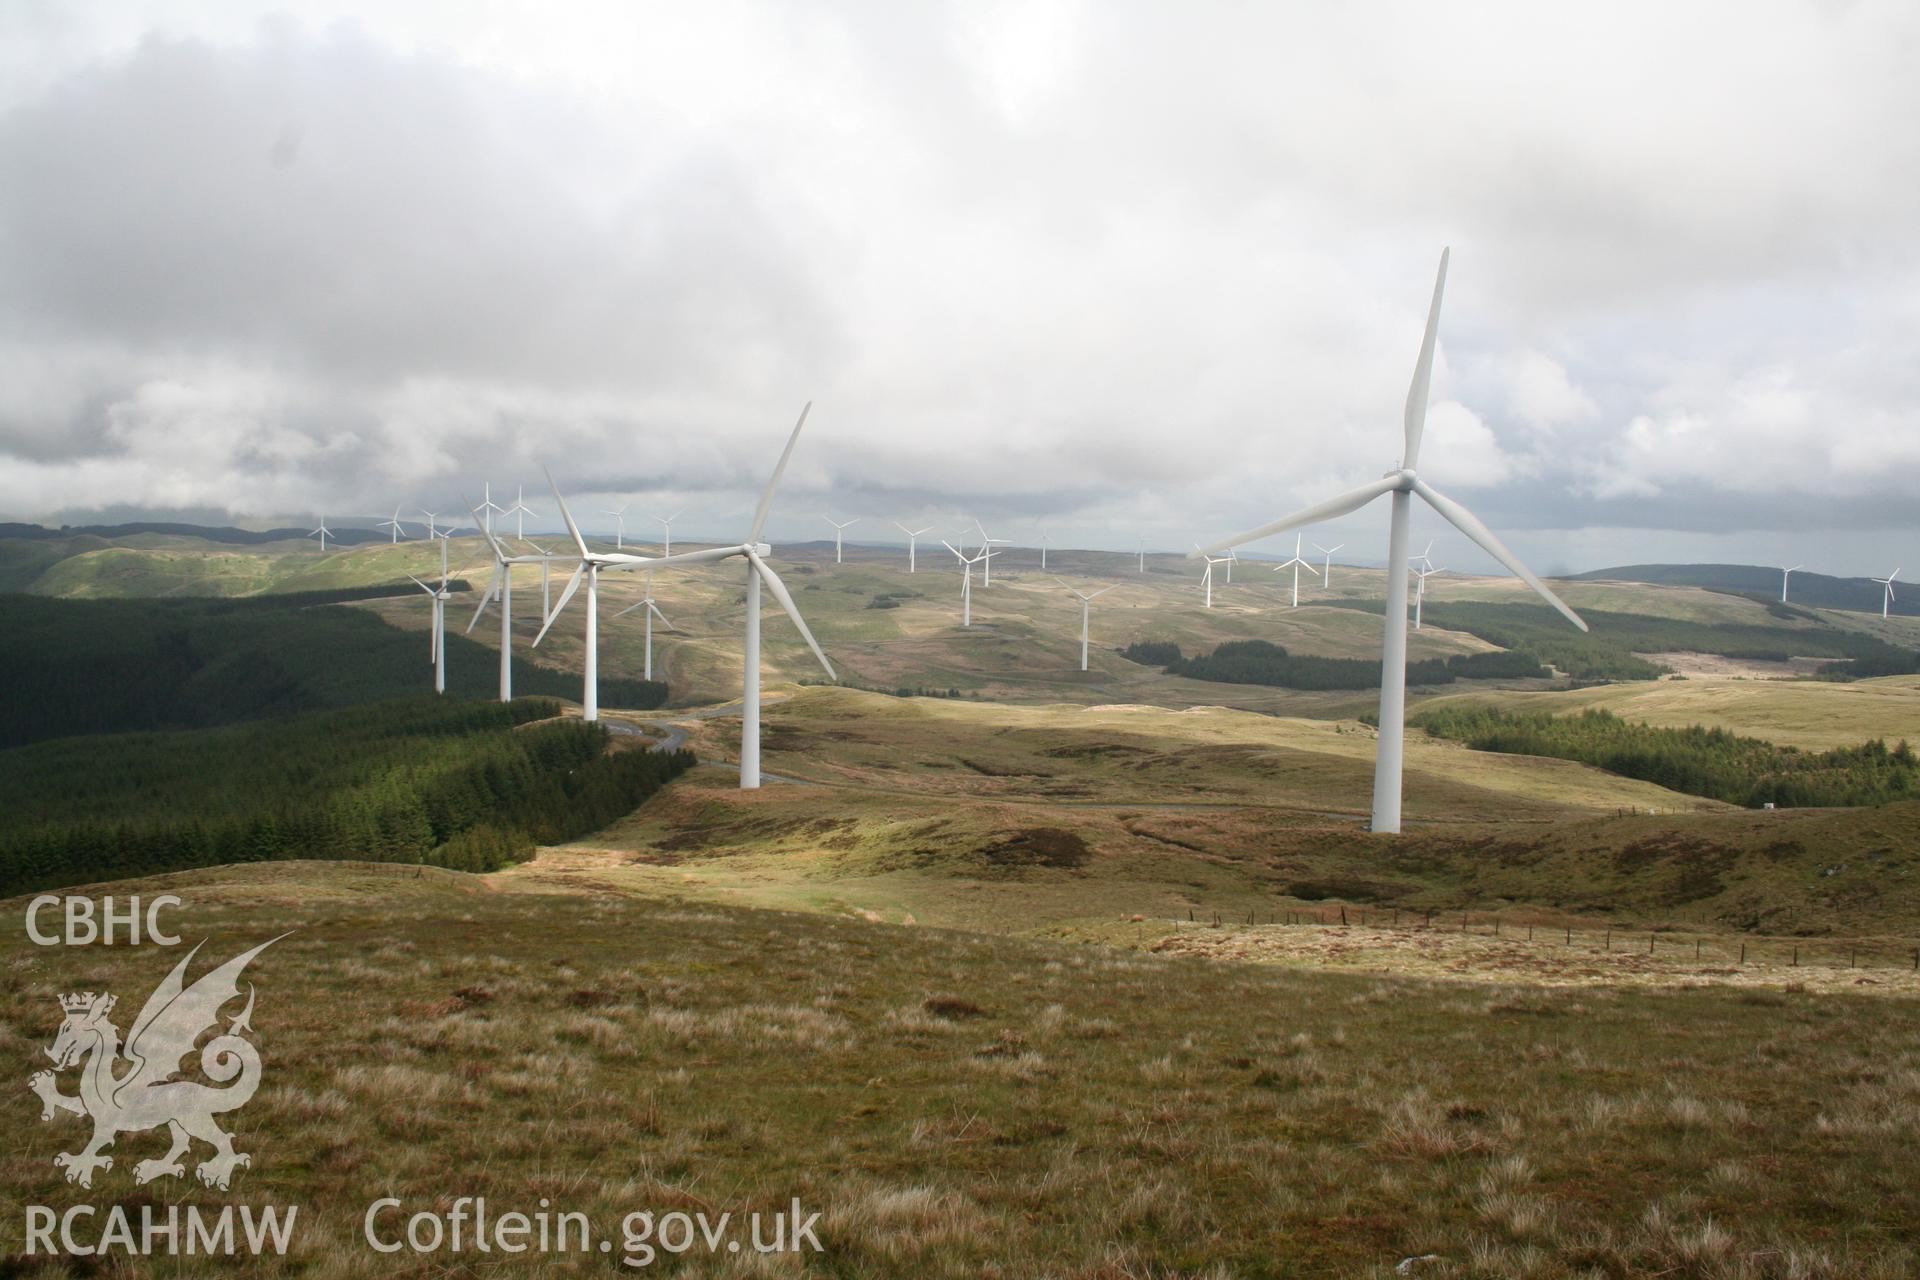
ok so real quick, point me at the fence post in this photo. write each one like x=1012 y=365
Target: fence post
x=1649 y=943
x=1743 y=953
x=1796 y=955
x=1609 y=938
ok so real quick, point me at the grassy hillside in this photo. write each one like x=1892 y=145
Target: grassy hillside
x=1816 y=715
x=1808 y=589
x=954 y=1105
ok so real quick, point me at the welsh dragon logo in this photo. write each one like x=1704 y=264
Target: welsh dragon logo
x=145 y=1095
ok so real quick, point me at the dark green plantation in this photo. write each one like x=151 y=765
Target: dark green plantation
x=1698 y=761
x=1262 y=662
x=467 y=785
x=110 y=666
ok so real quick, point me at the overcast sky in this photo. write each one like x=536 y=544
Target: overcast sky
x=1115 y=269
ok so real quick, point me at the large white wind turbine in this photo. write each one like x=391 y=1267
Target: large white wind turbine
x=1296 y=564
x=1086 y=610
x=1887 y=582
x=653 y=611
x=966 y=582
x=501 y=586
x=1326 y=565
x=838 y=529
x=754 y=552
x=1403 y=482
x=393 y=524
x=666 y=531
x=322 y=533
x=1786 y=572
x=913 y=540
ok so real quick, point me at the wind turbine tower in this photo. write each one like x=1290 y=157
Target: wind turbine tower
x=913 y=539
x=966 y=581
x=619 y=525
x=1787 y=572
x=838 y=529
x=519 y=511
x=393 y=524
x=1326 y=565
x=1086 y=610
x=666 y=536
x=1206 y=578
x=437 y=628
x=653 y=611
x=322 y=533
x=1296 y=564
x=1886 y=600
x=1403 y=482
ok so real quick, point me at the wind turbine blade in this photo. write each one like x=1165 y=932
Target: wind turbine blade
x=630 y=608
x=566 y=515
x=423 y=586
x=1468 y=523
x=663 y=617
x=1328 y=510
x=1416 y=416
x=560 y=605
x=766 y=499
x=705 y=555
x=779 y=590
x=486 y=598
x=1102 y=591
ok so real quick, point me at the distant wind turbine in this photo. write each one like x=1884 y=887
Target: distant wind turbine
x=520 y=511
x=1326 y=565
x=501 y=586
x=1886 y=600
x=393 y=524
x=619 y=525
x=1143 y=554
x=437 y=629
x=431 y=531
x=1206 y=579
x=966 y=581
x=1044 y=538
x=913 y=539
x=1403 y=482
x=484 y=512
x=1420 y=594
x=986 y=578
x=1086 y=610
x=1296 y=564
x=653 y=611
x=666 y=534
x=838 y=529
x=1786 y=573
x=322 y=533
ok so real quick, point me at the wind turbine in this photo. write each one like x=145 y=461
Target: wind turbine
x=913 y=538
x=1232 y=560
x=986 y=544
x=501 y=586
x=966 y=583
x=1295 y=564
x=1403 y=482
x=1086 y=610
x=484 y=512
x=1044 y=536
x=1326 y=566
x=666 y=524
x=1420 y=595
x=546 y=565
x=431 y=531
x=1785 y=573
x=619 y=524
x=521 y=511
x=753 y=551
x=437 y=632
x=839 y=529
x=1886 y=582
x=653 y=611
x=1143 y=553
x=323 y=533
x=1206 y=579
x=589 y=563
x=393 y=524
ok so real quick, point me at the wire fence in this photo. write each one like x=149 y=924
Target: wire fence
x=1720 y=949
